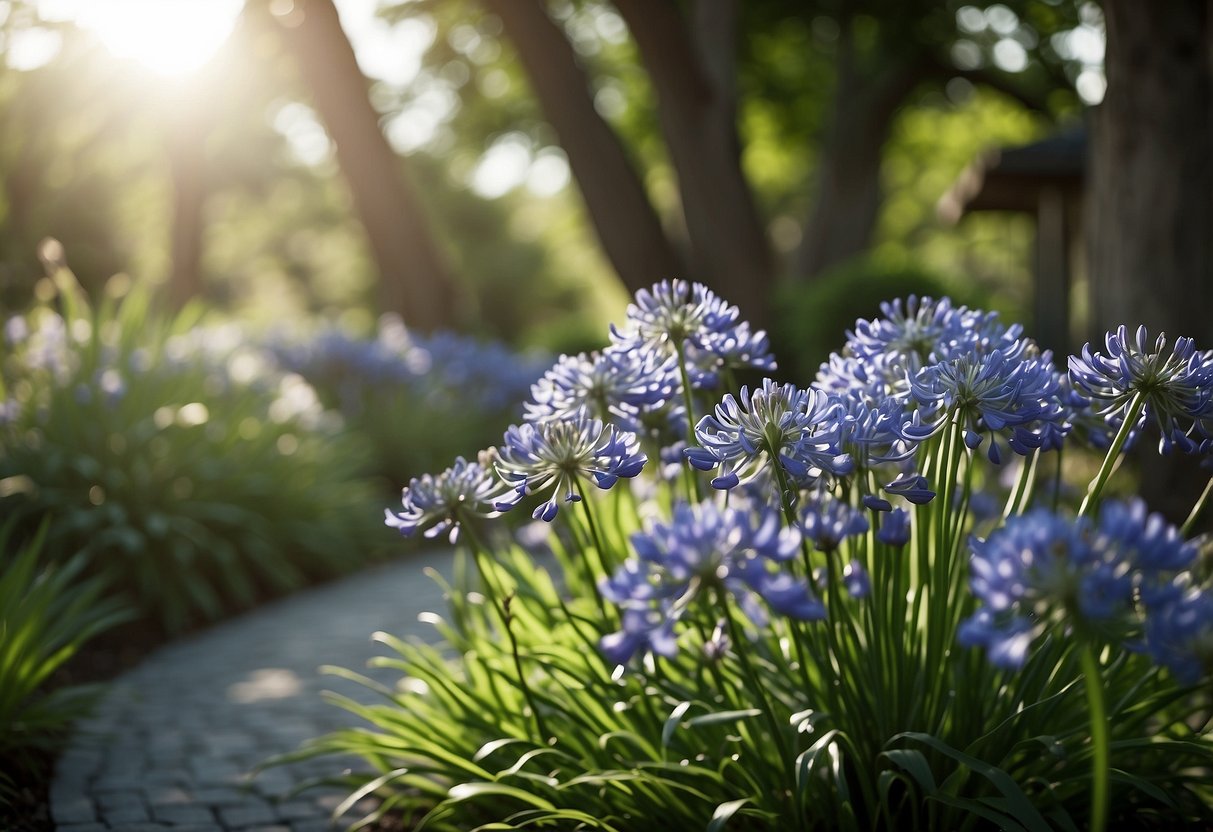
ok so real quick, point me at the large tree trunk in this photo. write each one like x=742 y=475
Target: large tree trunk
x=848 y=194
x=186 y=142
x=1150 y=196
x=414 y=278
x=623 y=217
x=1151 y=176
x=691 y=64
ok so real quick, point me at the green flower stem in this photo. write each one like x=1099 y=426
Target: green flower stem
x=502 y=605
x=693 y=492
x=1197 y=509
x=759 y=690
x=1100 y=746
x=1091 y=501
x=605 y=562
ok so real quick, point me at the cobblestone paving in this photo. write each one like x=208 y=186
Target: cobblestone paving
x=172 y=744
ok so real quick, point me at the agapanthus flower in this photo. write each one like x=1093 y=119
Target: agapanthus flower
x=611 y=385
x=795 y=428
x=828 y=522
x=557 y=455
x=1042 y=567
x=1176 y=388
x=924 y=331
x=988 y=393
x=705 y=549
x=437 y=504
x=1179 y=634
x=689 y=321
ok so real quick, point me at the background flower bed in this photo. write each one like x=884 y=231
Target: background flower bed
x=173 y=470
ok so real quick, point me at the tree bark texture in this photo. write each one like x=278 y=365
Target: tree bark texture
x=848 y=194
x=414 y=277
x=623 y=217
x=185 y=140
x=1150 y=197
x=1151 y=172
x=690 y=63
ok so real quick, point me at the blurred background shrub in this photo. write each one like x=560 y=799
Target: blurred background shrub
x=811 y=319
x=182 y=465
x=203 y=467
x=419 y=401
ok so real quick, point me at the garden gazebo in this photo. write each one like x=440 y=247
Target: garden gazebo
x=1044 y=179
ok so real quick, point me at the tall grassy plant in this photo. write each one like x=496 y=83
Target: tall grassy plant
x=857 y=605
x=47 y=613
x=187 y=470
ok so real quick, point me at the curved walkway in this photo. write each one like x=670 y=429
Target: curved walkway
x=172 y=743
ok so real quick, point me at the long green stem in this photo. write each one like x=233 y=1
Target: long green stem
x=1197 y=509
x=759 y=690
x=1100 y=745
x=1105 y=470
x=501 y=603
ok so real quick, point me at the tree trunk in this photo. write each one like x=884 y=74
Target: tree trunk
x=692 y=68
x=186 y=140
x=623 y=217
x=1150 y=196
x=414 y=278
x=848 y=195
x=1151 y=176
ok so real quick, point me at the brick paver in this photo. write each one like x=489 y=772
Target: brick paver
x=172 y=744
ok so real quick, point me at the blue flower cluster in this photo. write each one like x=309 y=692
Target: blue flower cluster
x=1173 y=389
x=811 y=475
x=1043 y=568
x=443 y=370
x=731 y=553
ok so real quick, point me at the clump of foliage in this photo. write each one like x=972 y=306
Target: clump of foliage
x=812 y=315
x=860 y=604
x=175 y=459
x=418 y=400
x=47 y=613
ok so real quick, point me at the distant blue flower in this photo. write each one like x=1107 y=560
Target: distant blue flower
x=988 y=393
x=704 y=549
x=827 y=522
x=438 y=504
x=1177 y=388
x=557 y=455
x=611 y=385
x=688 y=320
x=923 y=331
x=777 y=424
x=894 y=528
x=1179 y=634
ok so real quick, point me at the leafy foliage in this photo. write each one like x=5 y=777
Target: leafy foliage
x=174 y=461
x=47 y=612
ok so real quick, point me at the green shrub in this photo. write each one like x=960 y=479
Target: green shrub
x=811 y=317
x=181 y=467
x=46 y=614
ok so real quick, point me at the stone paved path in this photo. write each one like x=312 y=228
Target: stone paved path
x=171 y=745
